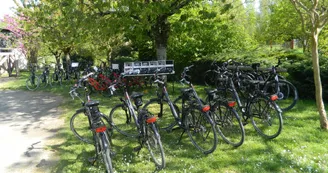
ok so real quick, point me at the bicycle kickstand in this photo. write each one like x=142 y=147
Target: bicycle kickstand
x=181 y=136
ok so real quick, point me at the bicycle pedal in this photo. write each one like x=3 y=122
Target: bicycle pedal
x=137 y=149
x=92 y=160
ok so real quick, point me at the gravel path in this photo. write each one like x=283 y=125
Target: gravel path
x=28 y=123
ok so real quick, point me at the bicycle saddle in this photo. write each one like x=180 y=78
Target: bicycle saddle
x=184 y=90
x=255 y=65
x=92 y=103
x=135 y=95
x=210 y=91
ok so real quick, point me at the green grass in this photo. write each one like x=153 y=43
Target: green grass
x=301 y=147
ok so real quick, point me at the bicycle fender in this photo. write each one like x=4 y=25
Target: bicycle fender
x=80 y=110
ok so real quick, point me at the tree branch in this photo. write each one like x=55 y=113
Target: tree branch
x=301 y=15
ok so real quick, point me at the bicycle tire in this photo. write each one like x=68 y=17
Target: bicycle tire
x=266 y=117
x=154 y=145
x=200 y=124
x=30 y=85
x=122 y=121
x=165 y=117
x=228 y=124
x=43 y=80
x=80 y=127
x=105 y=151
x=288 y=93
x=209 y=78
x=56 y=79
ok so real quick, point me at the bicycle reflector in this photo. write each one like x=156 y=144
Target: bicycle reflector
x=274 y=97
x=206 y=108
x=100 y=129
x=231 y=103
x=151 y=119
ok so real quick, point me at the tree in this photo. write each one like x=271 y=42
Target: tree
x=144 y=16
x=314 y=17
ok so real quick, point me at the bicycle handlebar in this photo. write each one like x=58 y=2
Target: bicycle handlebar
x=184 y=75
x=73 y=92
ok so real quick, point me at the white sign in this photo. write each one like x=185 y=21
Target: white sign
x=115 y=66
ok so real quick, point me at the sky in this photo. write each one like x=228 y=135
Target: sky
x=5 y=6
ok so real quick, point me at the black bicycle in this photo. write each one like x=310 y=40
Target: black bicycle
x=131 y=121
x=228 y=122
x=254 y=104
x=44 y=78
x=32 y=82
x=193 y=117
x=57 y=75
x=96 y=131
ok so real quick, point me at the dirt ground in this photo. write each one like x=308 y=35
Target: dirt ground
x=28 y=123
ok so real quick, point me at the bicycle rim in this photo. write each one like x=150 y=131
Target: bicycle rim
x=201 y=131
x=209 y=77
x=228 y=124
x=30 y=84
x=288 y=95
x=122 y=121
x=43 y=81
x=266 y=117
x=165 y=117
x=79 y=125
x=154 y=145
x=105 y=152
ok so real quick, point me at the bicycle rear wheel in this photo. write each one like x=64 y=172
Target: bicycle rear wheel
x=266 y=117
x=154 y=145
x=32 y=83
x=163 y=111
x=228 y=124
x=104 y=144
x=288 y=95
x=122 y=120
x=201 y=130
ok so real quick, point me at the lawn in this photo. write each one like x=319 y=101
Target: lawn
x=301 y=147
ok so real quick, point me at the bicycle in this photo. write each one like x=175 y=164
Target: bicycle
x=194 y=117
x=274 y=83
x=260 y=107
x=132 y=121
x=32 y=82
x=228 y=122
x=57 y=75
x=101 y=134
x=44 y=79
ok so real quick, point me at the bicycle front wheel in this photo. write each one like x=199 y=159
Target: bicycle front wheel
x=80 y=127
x=56 y=79
x=154 y=145
x=122 y=120
x=32 y=83
x=209 y=78
x=228 y=124
x=43 y=80
x=201 y=130
x=266 y=117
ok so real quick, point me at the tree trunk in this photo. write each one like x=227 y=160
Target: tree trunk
x=317 y=80
x=161 y=33
x=33 y=58
x=161 y=52
x=68 y=61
